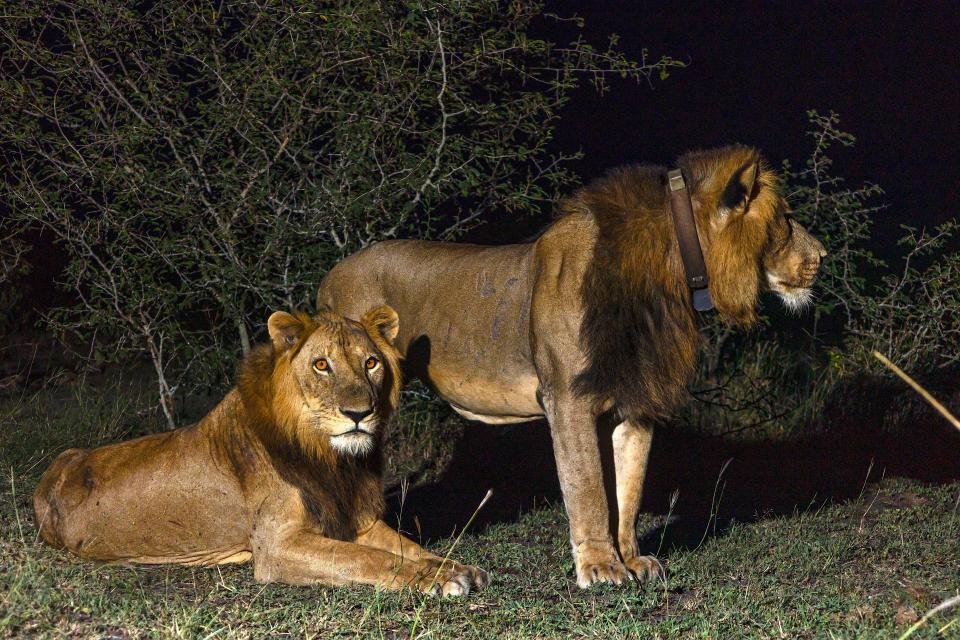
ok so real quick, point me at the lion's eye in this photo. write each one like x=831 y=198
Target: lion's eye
x=321 y=365
x=372 y=363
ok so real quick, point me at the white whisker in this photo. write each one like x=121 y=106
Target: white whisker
x=798 y=300
x=355 y=444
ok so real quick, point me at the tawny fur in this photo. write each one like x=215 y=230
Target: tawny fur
x=590 y=325
x=259 y=478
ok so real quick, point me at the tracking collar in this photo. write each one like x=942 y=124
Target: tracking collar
x=690 y=251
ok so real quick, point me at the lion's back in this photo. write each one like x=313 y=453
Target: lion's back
x=407 y=274
x=356 y=283
x=127 y=499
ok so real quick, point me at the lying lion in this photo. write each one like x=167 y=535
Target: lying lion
x=284 y=471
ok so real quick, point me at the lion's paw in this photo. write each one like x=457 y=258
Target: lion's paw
x=449 y=578
x=598 y=562
x=481 y=578
x=645 y=568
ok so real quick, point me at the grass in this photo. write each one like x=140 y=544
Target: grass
x=865 y=568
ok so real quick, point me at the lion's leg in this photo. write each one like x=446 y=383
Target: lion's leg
x=304 y=557
x=577 y=452
x=48 y=509
x=631 y=450
x=381 y=536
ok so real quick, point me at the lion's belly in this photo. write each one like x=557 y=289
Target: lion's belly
x=488 y=399
x=476 y=344
x=484 y=376
x=464 y=319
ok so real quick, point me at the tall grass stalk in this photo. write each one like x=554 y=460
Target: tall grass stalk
x=446 y=559
x=715 y=503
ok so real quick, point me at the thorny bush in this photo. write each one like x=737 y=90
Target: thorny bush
x=203 y=163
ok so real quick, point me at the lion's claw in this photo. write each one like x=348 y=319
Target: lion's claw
x=449 y=578
x=645 y=568
x=597 y=561
x=612 y=572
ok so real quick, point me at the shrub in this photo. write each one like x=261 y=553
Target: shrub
x=202 y=164
x=13 y=267
x=779 y=378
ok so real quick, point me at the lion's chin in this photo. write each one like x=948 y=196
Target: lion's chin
x=353 y=443
x=796 y=299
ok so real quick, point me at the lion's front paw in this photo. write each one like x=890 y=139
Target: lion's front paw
x=481 y=579
x=447 y=582
x=449 y=578
x=645 y=568
x=597 y=561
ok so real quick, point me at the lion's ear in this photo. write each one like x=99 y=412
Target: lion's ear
x=284 y=329
x=382 y=321
x=736 y=195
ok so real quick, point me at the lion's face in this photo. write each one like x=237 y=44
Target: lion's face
x=344 y=374
x=791 y=262
x=756 y=246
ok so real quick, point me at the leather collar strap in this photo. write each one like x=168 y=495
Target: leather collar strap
x=690 y=252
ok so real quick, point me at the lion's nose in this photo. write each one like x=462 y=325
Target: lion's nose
x=356 y=416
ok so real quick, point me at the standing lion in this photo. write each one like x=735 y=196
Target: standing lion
x=285 y=472
x=591 y=322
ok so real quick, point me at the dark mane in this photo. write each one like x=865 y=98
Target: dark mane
x=639 y=329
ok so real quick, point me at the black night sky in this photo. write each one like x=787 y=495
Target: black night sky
x=888 y=69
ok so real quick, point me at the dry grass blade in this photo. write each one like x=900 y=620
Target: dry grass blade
x=947 y=604
x=446 y=560
x=952 y=419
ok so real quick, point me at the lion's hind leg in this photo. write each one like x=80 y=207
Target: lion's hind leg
x=50 y=509
x=631 y=450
